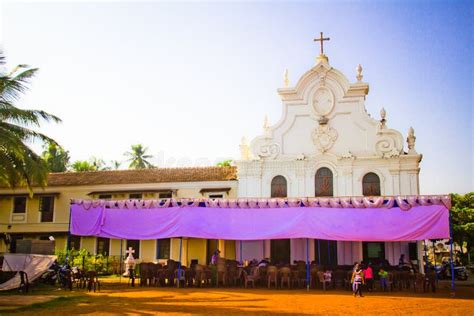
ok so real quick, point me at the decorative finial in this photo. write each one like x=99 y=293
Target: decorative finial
x=321 y=39
x=244 y=149
x=411 y=141
x=383 y=115
x=286 y=81
x=265 y=123
x=359 y=73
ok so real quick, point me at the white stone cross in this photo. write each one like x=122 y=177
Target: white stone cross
x=130 y=251
x=129 y=261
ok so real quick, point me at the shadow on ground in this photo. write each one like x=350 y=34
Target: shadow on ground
x=119 y=299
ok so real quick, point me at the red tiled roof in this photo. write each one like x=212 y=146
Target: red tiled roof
x=158 y=175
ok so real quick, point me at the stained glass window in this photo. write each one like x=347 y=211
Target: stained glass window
x=324 y=182
x=279 y=187
x=371 y=185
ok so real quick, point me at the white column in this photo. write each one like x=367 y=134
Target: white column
x=252 y=249
x=312 y=255
x=420 y=250
x=340 y=253
x=267 y=248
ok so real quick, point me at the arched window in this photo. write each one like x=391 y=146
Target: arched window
x=371 y=184
x=324 y=182
x=279 y=188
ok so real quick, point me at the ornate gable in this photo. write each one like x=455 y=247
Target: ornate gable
x=325 y=113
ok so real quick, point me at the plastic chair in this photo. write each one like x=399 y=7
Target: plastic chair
x=272 y=276
x=285 y=277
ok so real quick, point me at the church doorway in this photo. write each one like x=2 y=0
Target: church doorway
x=280 y=251
x=373 y=252
x=325 y=252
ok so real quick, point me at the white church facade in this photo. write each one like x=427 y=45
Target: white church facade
x=326 y=144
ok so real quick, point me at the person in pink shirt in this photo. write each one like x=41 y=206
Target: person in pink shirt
x=369 y=277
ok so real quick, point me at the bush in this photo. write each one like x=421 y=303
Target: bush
x=86 y=261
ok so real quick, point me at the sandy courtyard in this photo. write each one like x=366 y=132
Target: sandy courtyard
x=118 y=299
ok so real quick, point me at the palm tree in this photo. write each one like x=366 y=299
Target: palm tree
x=138 y=157
x=82 y=165
x=19 y=164
x=115 y=164
x=93 y=164
x=98 y=164
x=56 y=157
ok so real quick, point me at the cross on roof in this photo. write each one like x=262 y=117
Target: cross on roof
x=322 y=39
x=130 y=251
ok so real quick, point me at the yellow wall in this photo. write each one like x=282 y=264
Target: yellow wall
x=5 y=209
x=61 y=242
x=115 y=247
x=230 y=249
x=147 y=250
x=175 y=249
x=88 y=243
x=197 y=250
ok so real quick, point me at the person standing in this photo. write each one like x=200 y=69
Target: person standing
x=369 y=277
x=213 y=266
x=383 y=279
x=215 y=257
x=357 y=280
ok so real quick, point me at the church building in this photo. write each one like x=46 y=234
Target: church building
x=324 y=145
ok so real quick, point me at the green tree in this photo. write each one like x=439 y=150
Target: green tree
x=225 y=163
x=98 y=164
x=19 y=164
x=463 y=220
x=93 y=164
x=138 y=157
x=82 y=165
x=115 y=164
x=56 y=157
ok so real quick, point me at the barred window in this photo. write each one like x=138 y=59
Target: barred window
x=163 y=247
x=46 y=207
x=19 y=204
x=103 y=246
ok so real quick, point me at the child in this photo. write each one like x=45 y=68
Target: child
x=328 y=276
x=369 y=277
x=383 y=279
x=357 y=280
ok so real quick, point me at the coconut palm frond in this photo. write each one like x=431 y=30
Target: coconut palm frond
x=19 y=164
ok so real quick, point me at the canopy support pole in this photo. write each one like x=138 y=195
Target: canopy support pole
x=241 y=248
x=329 y=252
x=319 y=252
x=453 y=289
x=307 y=264
x=158 y=250
x=68 y=246
x=434 y=258
x=179 y=263
x=121 y=259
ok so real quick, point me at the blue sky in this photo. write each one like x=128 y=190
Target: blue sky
x=188 y=80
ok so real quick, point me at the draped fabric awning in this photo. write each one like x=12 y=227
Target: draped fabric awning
x=348 y=218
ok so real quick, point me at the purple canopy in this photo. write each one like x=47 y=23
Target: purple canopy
x=350 y=223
